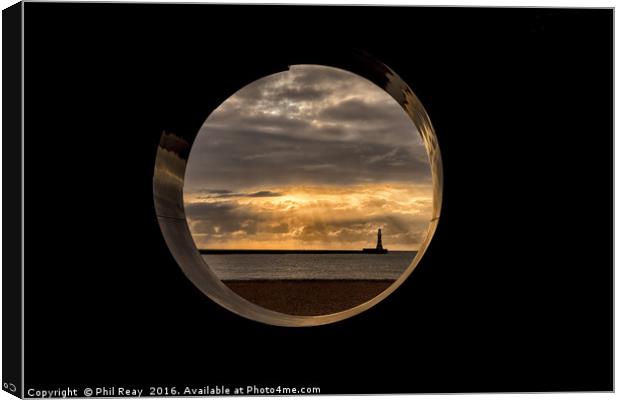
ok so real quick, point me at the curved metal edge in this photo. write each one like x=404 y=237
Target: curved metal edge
x=168 y=179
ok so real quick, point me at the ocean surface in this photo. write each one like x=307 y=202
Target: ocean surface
x=310 y=266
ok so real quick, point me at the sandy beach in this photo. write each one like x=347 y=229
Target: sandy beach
x=309 y=297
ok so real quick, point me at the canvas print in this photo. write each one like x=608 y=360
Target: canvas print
x=215 y=199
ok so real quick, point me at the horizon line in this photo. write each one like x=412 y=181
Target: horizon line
x=282 y=251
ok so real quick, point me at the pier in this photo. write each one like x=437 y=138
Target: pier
x=373 y=250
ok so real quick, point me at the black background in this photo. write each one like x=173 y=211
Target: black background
x=514 y=293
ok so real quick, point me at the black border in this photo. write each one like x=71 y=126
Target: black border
x=12 y=200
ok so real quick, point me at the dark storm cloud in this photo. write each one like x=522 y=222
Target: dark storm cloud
x=304 y=94
x=215 y=191
x=227 y=194
x=263 y=123
x=222 y=218
x=296 y=91
x=210 y=218
x=310 y=126
x=274 y=160
x=243 y=149
x=359 y=110
x=264 y=193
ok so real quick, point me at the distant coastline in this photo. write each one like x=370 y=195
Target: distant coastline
x=291 y=251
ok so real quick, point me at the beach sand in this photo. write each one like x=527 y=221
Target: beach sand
x=308 y=297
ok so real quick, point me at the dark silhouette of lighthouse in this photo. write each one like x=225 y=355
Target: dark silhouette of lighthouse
x=379 y=248
x=379 y=244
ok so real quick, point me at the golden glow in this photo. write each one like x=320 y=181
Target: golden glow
x=316 y=217
x=310 y=158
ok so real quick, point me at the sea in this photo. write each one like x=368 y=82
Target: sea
x=310 y=266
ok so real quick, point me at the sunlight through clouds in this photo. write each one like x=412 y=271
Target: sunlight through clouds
x=312 y=158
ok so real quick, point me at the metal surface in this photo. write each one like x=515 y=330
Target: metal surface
x=168 y=179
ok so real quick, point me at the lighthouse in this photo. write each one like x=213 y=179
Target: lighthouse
x=379 y=244
x=379 y=248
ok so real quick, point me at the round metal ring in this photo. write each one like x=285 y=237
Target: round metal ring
x=168 y=180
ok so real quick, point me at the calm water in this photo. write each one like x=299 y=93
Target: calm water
x=310 y=266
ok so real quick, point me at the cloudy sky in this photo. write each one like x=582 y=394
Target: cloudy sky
x=311 y=158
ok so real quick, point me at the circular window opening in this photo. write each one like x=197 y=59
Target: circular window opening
x=308 y=196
